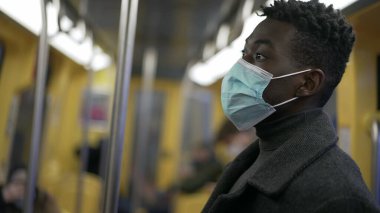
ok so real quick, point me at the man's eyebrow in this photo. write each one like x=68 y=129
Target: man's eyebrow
x=264 y=41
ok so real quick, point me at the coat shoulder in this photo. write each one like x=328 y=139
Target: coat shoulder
x=347 y=205
x=329 y=178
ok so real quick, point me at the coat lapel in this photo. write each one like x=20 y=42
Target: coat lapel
x=232 y=172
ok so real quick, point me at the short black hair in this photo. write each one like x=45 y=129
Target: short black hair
x=13 y=170
x=324 y=38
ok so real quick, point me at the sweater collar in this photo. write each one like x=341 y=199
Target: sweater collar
x=273 y=134
x=305 y=137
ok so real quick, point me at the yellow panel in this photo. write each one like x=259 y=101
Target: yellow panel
x=16 y=74
x=189 y=203
x=356 y=98
x=171 y=133
x=218 y=114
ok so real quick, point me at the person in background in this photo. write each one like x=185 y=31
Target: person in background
x=290 y=66
x=95 y=156
x=230 y=141
x=205 y=169
x=13 y=194
x=208 y=159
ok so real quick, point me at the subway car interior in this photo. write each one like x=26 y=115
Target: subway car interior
x=114 y=106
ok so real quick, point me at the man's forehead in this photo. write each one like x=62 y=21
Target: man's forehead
x=271 y=31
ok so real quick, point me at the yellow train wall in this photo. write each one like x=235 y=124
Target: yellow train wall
x=59 y=165
x=357 y=93
x=16 y=74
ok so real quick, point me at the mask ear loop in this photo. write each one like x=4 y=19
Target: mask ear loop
x=285 y=102
x=290 y=74
x=284 y=76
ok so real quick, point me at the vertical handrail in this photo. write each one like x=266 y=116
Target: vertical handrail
x=39 y=92
x=127 y=28
x=375 y=133
x=84 y=152
x=146 y=103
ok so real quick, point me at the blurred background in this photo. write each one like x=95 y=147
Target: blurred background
x=176 y=140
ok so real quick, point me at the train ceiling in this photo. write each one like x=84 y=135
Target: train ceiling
x=178 y=29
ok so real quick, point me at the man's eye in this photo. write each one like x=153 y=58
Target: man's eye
x=259 y=57
x=243 y=52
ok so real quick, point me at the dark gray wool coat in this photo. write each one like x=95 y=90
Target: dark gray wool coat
x=307 y=173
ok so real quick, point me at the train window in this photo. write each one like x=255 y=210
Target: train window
x=151 y=129
x=378 y=82
x=22 y=132
x=22 y=129
x=197 y=121
x=22 y=125
x=2 y=52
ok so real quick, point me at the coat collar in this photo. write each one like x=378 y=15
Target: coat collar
x=312 y=136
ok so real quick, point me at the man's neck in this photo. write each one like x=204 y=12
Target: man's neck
x=288 y=110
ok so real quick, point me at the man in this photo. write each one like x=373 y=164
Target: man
x=291 y=64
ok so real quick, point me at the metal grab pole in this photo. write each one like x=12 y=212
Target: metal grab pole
x=84 y=152
x=127 y=30
x=376 y=160
x=43 y=50
x=146 y=102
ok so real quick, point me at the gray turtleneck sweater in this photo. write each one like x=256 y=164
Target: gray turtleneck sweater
x=295 y=166
x=271 y=136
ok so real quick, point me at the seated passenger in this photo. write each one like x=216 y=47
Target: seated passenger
x=230 y=141
x=205 y=169
x=95 y=156
x=13 y=193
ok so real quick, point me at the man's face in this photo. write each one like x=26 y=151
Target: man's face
x=269 y=47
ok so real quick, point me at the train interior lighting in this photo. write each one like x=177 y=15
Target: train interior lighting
x=74 y=39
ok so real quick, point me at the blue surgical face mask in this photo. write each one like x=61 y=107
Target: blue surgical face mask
x=242 y=94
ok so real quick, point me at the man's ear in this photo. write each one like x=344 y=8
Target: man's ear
x=311 y=84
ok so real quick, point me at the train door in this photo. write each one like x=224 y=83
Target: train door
x=20 y=145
